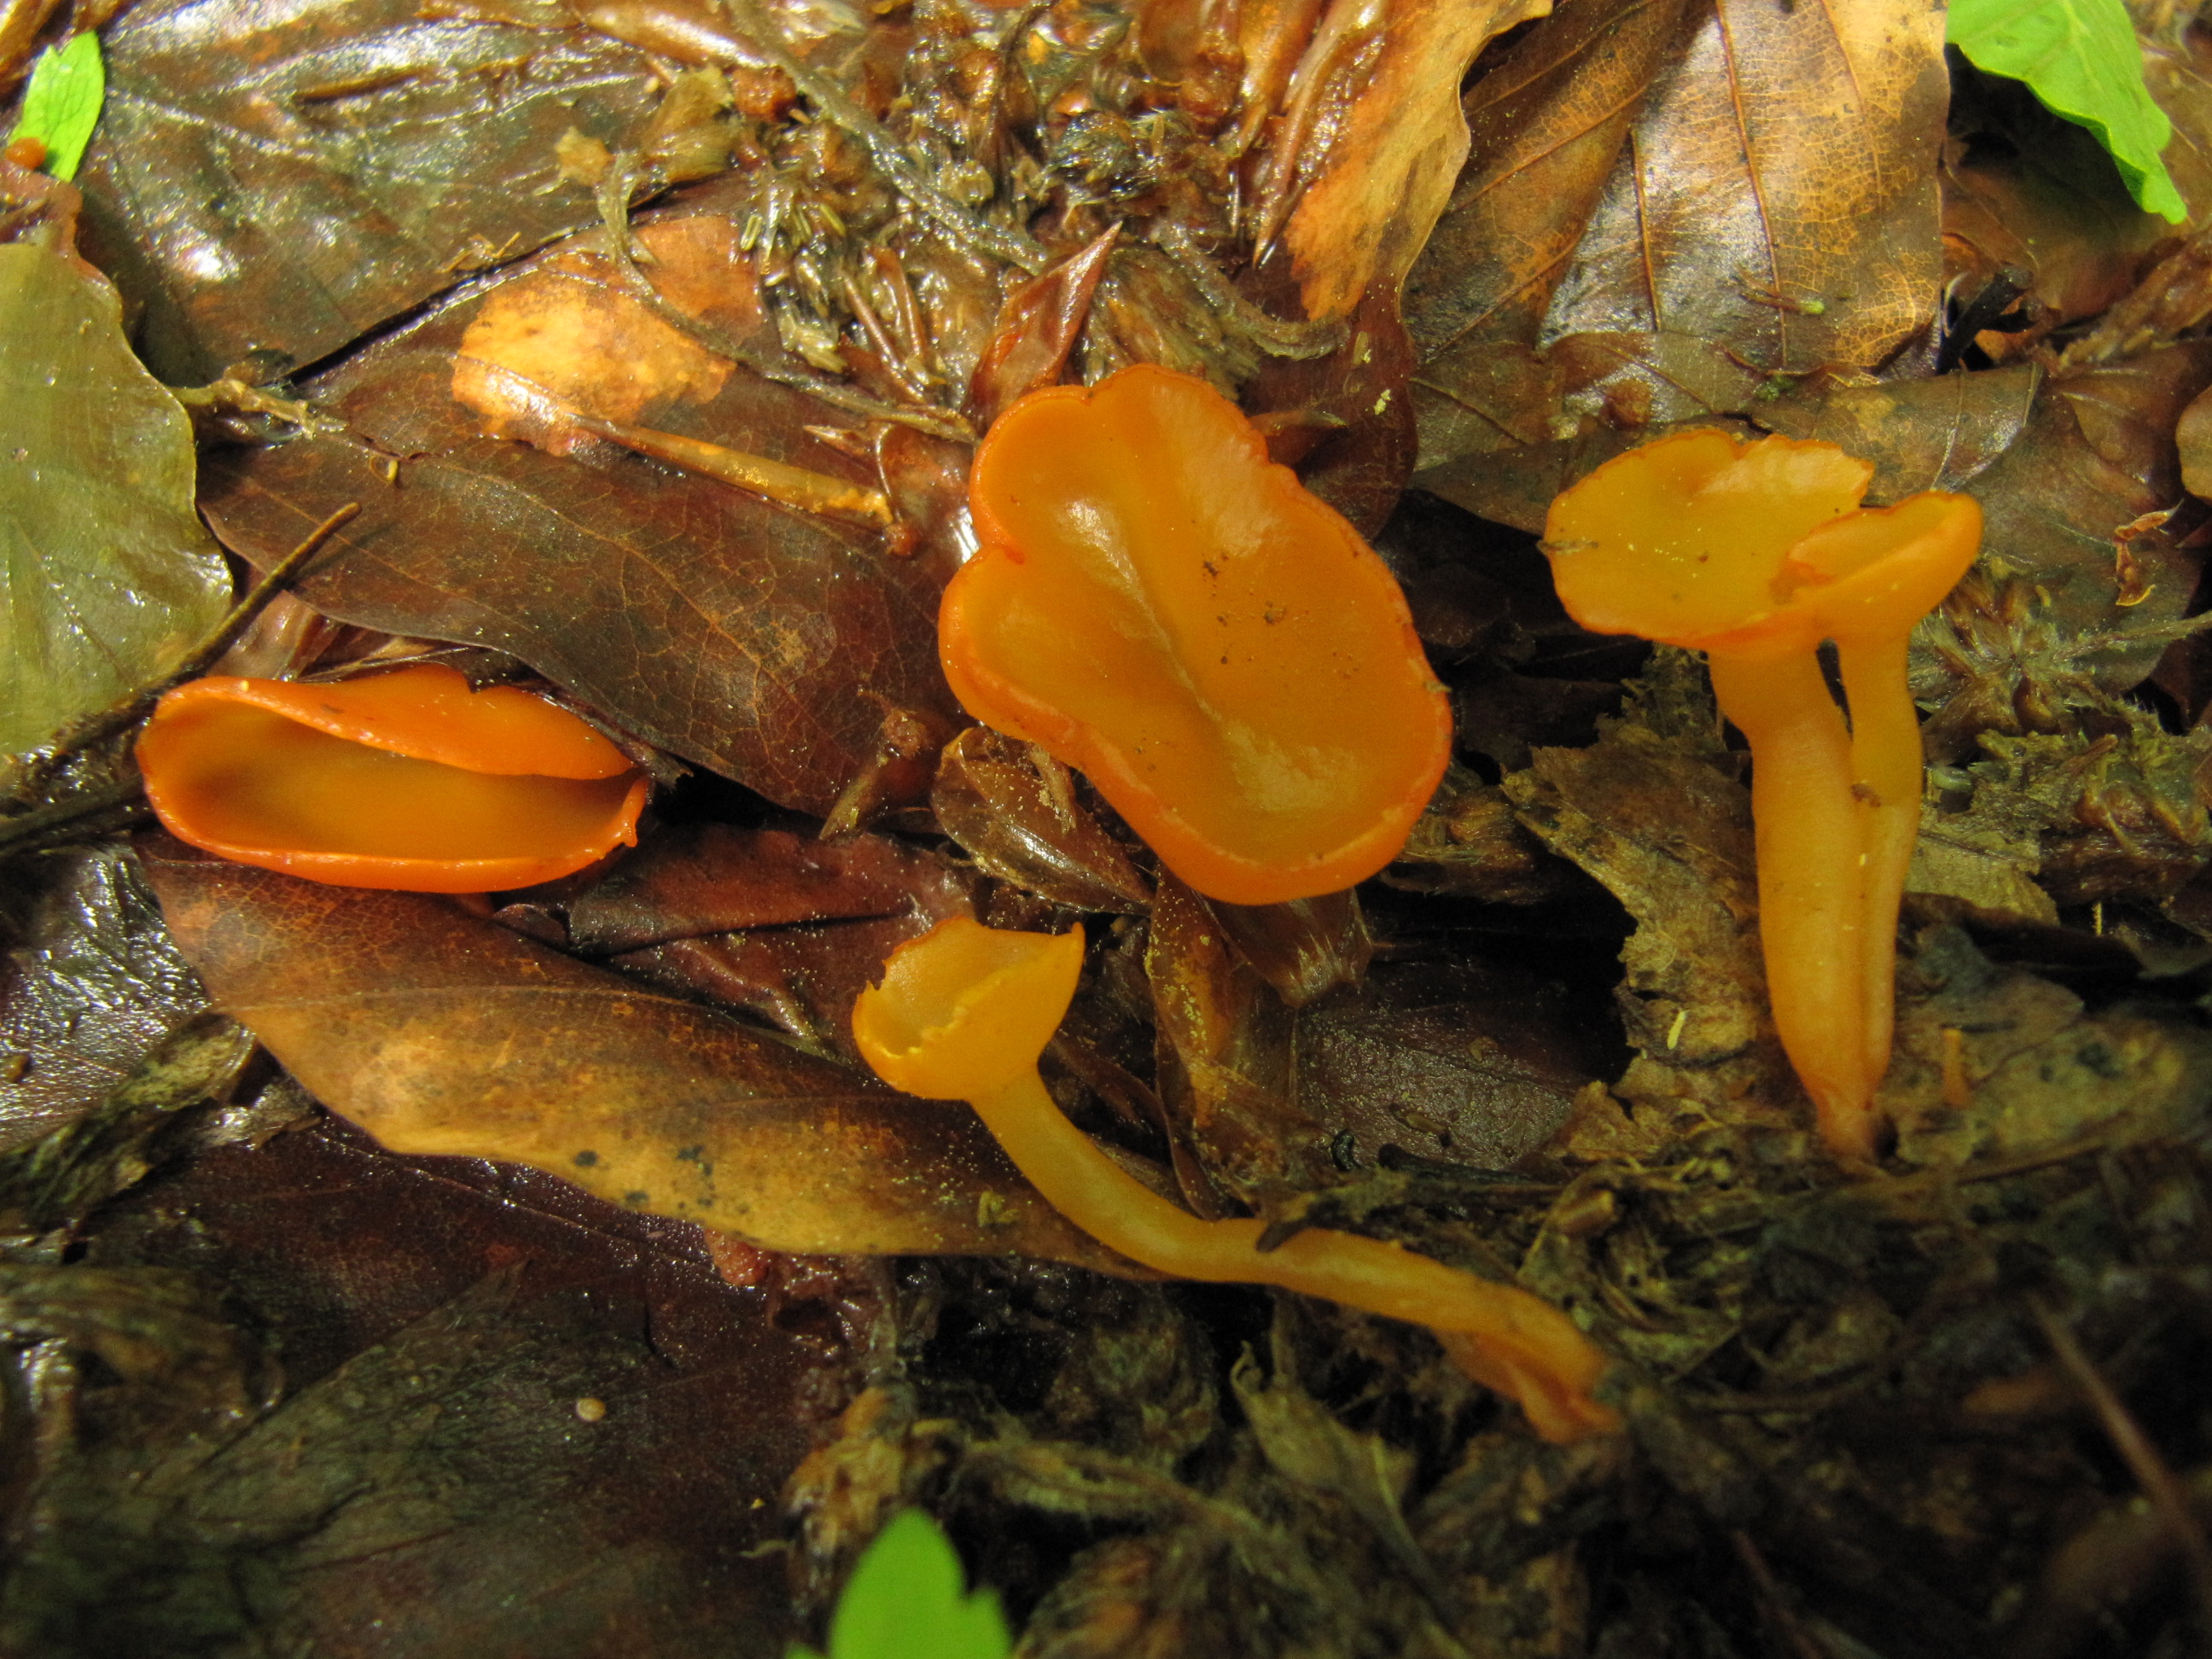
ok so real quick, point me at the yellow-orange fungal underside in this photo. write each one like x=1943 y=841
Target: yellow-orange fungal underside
x=408 y=780
x=1157 y=603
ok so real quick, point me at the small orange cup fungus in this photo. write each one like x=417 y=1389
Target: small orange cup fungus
x=964 y=1012
x=1757 y=553
x=408 y=780
x=1158 y=604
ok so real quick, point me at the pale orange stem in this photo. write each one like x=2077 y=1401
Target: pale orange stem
x=1812 y=908
x=1504 y=1337
x=1887 y=763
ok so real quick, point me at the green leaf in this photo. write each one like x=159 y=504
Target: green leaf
x=106 y=575
x=2080 y=58
x=904 y=1601
x=62 y=106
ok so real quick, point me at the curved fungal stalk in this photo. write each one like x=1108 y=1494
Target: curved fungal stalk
x=963 y=1012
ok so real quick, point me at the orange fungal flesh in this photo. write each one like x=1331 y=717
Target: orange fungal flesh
x=1757 y=553
x=367 y=785
x=964 y=1012
x=1158 y=604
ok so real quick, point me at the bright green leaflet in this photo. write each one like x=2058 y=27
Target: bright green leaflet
x=106 y=575
x=62 y=106
x=904 y=1601
x=2080 y=58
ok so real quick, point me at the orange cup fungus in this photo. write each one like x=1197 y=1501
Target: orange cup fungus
x=1158 y=604
x=408 y=780
x=964 y=1012
x=1756 y=553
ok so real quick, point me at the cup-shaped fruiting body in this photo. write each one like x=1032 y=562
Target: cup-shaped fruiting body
x=408 y=780
x=1160 y=606
x=962 y=1013
x=1757 y=553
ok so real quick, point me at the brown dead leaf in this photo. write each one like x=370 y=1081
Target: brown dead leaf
x=440 y=1033
x=1752 y=186
x=703 y=878
x=1374 y=137
x=1653 y=815
x=1013 y=809
x=416 y=1487
x=1042 y=321
x=1225 y=1055
x=1304 y=948
x=2028 y=196
x=272 y=186
x=1461 y=1064
x=2028 y=1067
x=1939 y=433
x=2098 y=452
x=765 y=642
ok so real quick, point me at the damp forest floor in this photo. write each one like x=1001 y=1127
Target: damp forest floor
x=498 y=297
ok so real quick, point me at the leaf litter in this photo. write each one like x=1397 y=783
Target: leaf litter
x=696 y=468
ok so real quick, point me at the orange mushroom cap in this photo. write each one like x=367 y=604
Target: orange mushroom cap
x=967 y=1009
x=1701 y=539
x=408 y=780
x=1157 y=603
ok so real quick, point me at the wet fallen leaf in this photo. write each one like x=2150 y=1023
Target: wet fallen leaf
x=440 y=1033
x=708 y=878
x=106 y=578
x=1013 y=809
x=762 y=642
x=1639 y=171
x=272 y=187
x=1379 y=82
x=91 y=984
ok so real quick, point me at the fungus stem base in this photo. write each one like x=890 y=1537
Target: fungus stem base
x=1812 y=865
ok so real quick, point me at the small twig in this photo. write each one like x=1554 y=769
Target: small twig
x=1773 y=1602
x=273 y=582
x=76 y=739
x=2157 y=1481
x=26 y=832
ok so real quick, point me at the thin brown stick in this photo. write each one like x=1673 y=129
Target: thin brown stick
x=2158 y=1482
x=1773 y=1602
x=67 y=818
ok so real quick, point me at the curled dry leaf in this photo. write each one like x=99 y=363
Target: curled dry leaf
x=784 y=924
x=1225 y=1055
x=441 y=1033
x=1380 y=81
x=699 y=878
x=1013 y=809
